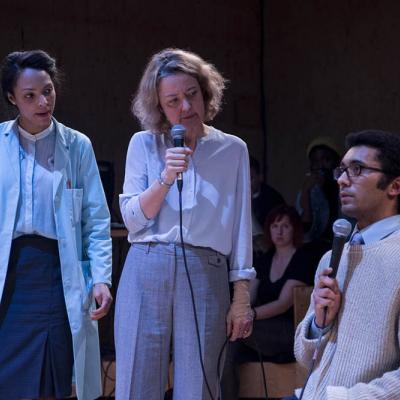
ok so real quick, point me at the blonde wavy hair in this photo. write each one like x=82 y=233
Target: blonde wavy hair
x=146 y=106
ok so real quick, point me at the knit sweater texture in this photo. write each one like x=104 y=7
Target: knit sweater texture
x=359 y=358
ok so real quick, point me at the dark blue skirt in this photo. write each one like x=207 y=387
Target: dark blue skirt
x=36 y=357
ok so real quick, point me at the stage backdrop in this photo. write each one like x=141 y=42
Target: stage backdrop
x=328 y=67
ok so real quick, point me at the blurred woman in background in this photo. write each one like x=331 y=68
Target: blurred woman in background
x=279 y=271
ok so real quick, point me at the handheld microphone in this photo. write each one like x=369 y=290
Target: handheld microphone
x=341 y=230
x=178 y=135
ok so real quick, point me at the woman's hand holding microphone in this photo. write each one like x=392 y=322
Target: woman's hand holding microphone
x=176 y=161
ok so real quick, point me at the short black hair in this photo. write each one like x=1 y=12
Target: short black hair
x=16 y=62
x=335 y=156
x=387 y=145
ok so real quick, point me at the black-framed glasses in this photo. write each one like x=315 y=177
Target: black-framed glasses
x=353 y=170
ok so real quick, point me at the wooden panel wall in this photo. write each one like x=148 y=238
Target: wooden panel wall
x=103 y=46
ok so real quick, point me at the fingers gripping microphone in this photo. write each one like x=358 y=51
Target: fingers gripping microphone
x=341 y=230
x=178 y=136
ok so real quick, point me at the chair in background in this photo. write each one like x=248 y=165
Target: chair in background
x=282 y=379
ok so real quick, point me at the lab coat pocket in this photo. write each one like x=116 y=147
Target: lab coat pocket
x=86 y=285
x=76 y=200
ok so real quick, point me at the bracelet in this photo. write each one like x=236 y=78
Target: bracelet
x=163 y=183
x=255 y=313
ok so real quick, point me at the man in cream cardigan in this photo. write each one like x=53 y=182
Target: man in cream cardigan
x=359 y=355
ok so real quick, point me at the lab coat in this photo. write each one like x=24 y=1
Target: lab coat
x=83 y=232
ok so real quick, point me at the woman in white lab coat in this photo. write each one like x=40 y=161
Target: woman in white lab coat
x=55 y=255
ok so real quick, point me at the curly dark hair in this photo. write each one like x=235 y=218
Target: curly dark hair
x=16 y=62
x=387 y=145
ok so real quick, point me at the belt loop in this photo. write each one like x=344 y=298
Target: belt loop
x=148 y=247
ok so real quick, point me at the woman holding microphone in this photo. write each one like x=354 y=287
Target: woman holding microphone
x=154 y=310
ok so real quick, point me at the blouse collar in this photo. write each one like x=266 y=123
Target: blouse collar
x=41 y=135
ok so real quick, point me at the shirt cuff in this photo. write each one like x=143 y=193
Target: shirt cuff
x=336 y=393
x=105 y=283
x=138 y=214
x=242 y=273
x=315 y=330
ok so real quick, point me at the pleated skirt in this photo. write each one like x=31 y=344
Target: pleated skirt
x=36 y=357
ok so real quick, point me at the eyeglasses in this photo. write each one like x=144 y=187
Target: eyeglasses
x=353 y=170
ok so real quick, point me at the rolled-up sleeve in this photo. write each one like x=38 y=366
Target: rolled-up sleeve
x=241 y=257
x=136 y=181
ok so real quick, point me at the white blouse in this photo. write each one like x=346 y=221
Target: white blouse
x=215 y=197
x=35 y=213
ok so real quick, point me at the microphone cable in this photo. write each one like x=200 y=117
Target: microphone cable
x=259 y=358
x=221 y=352
x=197 y=323
x=192 y=297
x=195 y=314
x=261 y=366
x=178 y=132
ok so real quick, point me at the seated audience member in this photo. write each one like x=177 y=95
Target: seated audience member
x=282 y=268
x=359 y=356
x=264 y=198
x=318 y=200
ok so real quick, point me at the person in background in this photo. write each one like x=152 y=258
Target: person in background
x=284 y=267
x=263 y=196
x=318 y=200
x=359 y=354
x=263 y=199
x=55 y=256
x=154 y=309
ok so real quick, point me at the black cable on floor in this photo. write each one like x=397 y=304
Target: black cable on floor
x=192 y=297
x=262 y=367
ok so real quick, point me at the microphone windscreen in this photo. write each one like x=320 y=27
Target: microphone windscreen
x=341 y=228
x=178 y=132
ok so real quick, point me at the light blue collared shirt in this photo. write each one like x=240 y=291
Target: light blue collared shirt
x=35 y=213
x=215 y=197
x=379 y=230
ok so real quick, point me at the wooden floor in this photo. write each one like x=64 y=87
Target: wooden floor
x=282 y=379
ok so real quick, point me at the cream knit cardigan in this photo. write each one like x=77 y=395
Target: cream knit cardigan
x=359 y=357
